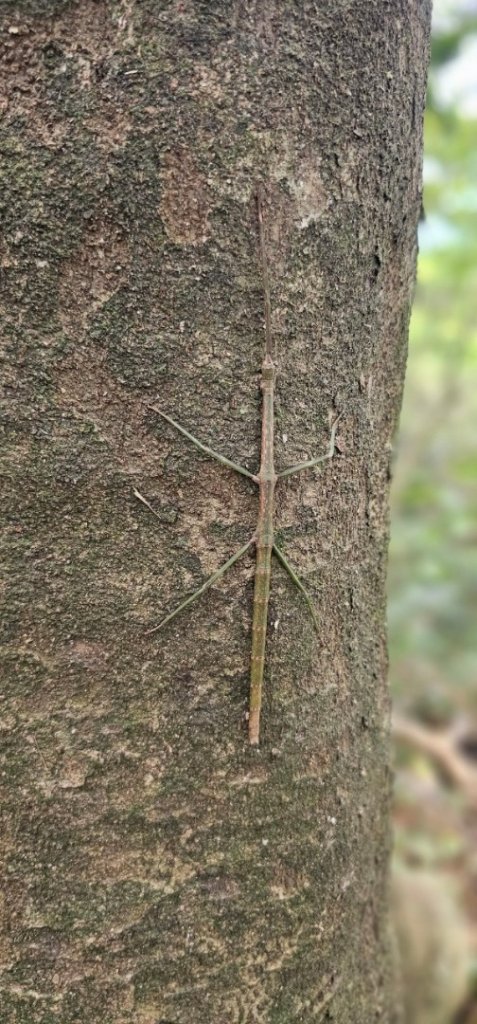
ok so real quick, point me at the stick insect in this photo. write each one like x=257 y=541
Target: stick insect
x=266 y=479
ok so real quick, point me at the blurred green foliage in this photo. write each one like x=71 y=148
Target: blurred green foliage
x=433 y=556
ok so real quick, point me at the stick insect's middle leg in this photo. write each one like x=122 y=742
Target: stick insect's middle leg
x=321 y=458
x=297 y=581
x=203 y=447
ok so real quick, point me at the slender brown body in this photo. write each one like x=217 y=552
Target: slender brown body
x=263 y=537
x=264 y=543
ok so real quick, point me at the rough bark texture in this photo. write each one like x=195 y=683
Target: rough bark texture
x=158 y=870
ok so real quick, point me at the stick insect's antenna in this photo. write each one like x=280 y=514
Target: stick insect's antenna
x=265 y=278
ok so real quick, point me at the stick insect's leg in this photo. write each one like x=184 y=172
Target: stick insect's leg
x=205 y=586
x=204 y=447
x=321 y=458
x=297 y=581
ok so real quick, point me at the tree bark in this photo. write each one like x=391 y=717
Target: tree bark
x=158 y=869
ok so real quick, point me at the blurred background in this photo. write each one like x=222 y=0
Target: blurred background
x=433 y=558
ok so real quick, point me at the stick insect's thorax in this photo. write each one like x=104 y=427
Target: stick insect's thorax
x=269 y=373
x=267 y=477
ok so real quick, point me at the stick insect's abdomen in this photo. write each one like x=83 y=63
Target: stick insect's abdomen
x=264 y=543
x=259 y=636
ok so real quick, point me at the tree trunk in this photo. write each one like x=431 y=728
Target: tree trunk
x=158 y=869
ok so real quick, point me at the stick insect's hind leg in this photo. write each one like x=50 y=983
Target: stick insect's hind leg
x=321 y=458
x=203 y=447
x=297 y=581
x=205 y=586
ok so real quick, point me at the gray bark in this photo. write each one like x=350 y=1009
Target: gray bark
x=158 y=870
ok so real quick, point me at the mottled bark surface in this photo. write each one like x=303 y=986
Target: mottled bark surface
x=158 y=870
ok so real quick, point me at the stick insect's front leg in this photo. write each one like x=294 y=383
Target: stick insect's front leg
x=203 y=447
x=321 y=458
x=297 y=581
